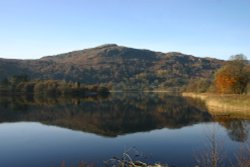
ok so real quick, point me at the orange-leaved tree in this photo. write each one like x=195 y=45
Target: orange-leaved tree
x=234 y=76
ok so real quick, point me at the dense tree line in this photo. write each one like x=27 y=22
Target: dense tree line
x=198 y=85
x=20 y=84
x=232 y=78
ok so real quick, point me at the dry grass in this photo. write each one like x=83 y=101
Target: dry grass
x=129 y=158
x=231 y=105
x=213 y=154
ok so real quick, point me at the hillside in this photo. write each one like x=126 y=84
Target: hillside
x=117 y=66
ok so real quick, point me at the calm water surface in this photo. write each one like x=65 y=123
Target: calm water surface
x=162 y=128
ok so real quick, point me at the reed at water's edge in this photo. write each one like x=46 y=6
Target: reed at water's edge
x=233 y=105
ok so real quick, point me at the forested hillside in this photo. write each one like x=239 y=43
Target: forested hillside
x=117 y=67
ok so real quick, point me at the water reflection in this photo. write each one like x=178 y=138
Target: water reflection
x=175 y=127
x=111 y=116
x=237 y=129
x=118 y=114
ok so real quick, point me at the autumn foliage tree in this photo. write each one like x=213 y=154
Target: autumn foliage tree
x=234 y=76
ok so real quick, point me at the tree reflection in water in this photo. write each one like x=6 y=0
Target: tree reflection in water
x=237 y=129
x=117 y=114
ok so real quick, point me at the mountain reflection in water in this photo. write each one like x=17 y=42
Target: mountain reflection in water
x=114 y=122
x=118 y=114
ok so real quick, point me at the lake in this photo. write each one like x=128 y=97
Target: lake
x=151 y=127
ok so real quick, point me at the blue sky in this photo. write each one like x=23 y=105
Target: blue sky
x=31 y=29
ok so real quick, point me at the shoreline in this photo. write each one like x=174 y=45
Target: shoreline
x=224 y=105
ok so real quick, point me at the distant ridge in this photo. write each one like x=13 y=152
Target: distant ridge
x=118 y=66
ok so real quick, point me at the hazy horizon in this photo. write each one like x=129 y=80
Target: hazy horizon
x=33 y=29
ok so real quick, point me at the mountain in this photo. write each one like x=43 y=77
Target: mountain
x=121 y=67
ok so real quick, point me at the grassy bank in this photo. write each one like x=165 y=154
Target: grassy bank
x=228 y=105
